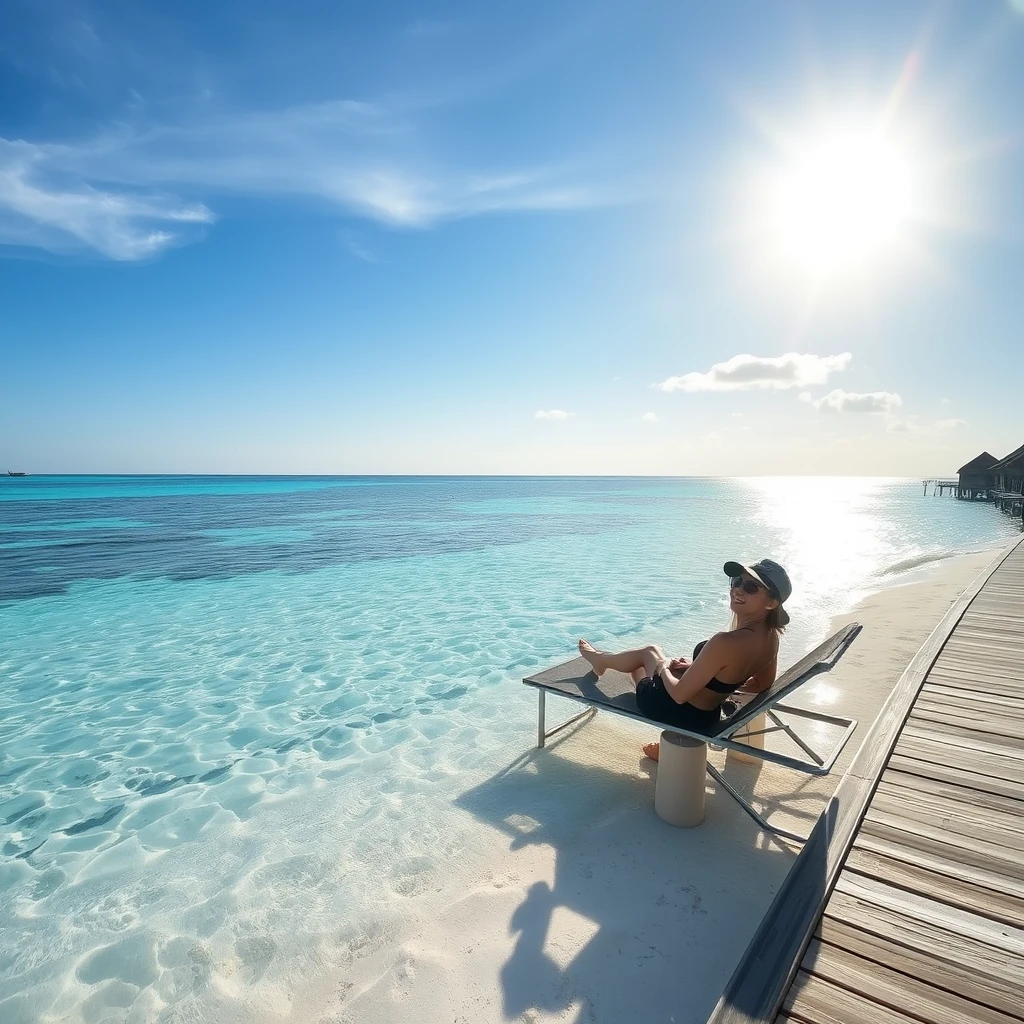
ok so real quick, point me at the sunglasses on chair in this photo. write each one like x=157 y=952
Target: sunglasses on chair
x=748 y=586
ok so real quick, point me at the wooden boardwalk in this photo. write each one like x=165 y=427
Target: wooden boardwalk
x=907 y=904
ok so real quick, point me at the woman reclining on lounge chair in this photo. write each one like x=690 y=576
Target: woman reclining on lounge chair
x=690 y=694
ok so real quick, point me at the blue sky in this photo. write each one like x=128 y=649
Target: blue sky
x=741 y=238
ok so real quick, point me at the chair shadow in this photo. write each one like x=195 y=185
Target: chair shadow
x=667 y=904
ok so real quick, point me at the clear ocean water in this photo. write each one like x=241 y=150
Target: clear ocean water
x=235 y=712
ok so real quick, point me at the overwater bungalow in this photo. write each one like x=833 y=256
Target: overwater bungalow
x=976 y=478
x=1008 y=473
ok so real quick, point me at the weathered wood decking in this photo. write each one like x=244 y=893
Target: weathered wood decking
x=907 y=903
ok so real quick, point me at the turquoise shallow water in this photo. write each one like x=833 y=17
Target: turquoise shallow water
x=235 y=713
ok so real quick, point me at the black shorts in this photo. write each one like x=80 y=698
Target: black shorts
x=656 y=702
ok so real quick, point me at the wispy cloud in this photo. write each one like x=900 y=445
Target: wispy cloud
x=748 y=373
x=649 y=417
x=430 y=27
x=913 y=426
x=360 y=251
x=124 y=225
x=552 y=414
x=886 y=402
x=357 y=158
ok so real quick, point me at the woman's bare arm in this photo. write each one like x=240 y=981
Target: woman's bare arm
x=711 y=660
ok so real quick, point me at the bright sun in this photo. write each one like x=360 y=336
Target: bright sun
x=842 y=204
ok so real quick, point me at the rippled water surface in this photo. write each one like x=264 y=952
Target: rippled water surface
x=234 y=713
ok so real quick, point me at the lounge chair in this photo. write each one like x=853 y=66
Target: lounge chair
x=614 y=691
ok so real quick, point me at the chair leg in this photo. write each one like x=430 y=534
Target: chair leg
x=543 y=733
x=756 y=815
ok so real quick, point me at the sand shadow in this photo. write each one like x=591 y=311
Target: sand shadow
x=649 y=920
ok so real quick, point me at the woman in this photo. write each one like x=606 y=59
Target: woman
x=690 y=694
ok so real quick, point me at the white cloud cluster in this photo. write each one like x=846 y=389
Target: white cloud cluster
x=848 y=401
x=552 y=414
x=649 y=417
x=748 y=373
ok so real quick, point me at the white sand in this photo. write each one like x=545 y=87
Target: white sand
x=584 y=906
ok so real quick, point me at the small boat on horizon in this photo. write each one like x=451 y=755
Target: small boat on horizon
x=16 y=472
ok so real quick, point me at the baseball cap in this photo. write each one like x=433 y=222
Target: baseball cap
x=772 y=575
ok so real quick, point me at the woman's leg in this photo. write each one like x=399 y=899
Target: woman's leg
x=639 y=663
x=643 y=659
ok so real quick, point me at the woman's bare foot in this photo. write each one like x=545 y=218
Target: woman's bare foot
x=594 y=656
x=652 y=750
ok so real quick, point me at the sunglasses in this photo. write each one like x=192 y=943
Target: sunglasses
x=748 y=586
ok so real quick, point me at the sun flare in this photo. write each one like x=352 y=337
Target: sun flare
x=842 y=203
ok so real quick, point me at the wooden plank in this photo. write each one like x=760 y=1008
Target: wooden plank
x=993 y=856
x=991 y=647
x=949 y=733
x=997 y=611
x=941 y=855
x=992 y=609
x=975 y=678
x=979 y=627
x=964 y=722
x=812 y=1000
x=1007 y=709
x=1000 y=594
x=958 y=776
x=980 y=973
x=972 y=821
x=935 y=790
x=1004 y=660
x=874 y=896
x=958 y=664
x=954 y=693
x=976 y=631
x=970 y=759
x=991 y=619
x=896 y=988
x=998 y=653
x=973 y=707
x=988 y=901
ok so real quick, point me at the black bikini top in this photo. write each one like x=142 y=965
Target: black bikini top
x=716 y=685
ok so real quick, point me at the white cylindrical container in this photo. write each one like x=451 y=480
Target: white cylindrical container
x=679 y=788
x=755 y=726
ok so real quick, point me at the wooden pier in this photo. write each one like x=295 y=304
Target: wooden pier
x=1008 y=501
x=939 y=487
x=906 y=905
x=972 y=488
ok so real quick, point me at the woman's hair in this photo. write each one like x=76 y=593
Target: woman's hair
x=771 y=620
